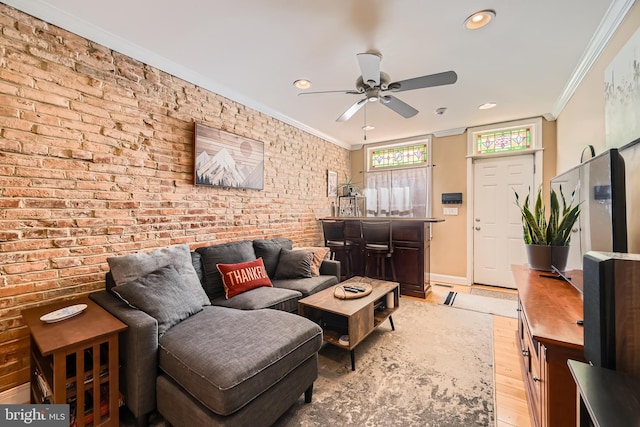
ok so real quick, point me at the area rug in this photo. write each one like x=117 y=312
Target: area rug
x=482 y=304
x=435 y=369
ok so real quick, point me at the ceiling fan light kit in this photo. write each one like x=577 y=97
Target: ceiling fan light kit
x=369 y=63
x=366 y=127
x=373 y=82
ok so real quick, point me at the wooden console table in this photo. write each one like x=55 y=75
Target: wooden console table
x=549 y=335
x=411 y=241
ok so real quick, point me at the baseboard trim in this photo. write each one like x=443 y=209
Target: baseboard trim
x=15 y=396
x=453 y=280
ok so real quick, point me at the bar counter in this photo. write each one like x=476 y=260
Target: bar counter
x=411 y=240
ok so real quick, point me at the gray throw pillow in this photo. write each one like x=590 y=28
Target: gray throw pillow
x=294 y=264
x=163 y=295
x=196 y=261
x=269 y=251
x=129 y=267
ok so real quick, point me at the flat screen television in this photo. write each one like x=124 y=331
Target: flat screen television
x=611 y=287
x=599 y=184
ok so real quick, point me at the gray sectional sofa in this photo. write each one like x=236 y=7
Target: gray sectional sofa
x=201 y=359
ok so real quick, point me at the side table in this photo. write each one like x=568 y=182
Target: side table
x=68 y=355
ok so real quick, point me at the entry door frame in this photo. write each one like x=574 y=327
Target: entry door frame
x=537 y=150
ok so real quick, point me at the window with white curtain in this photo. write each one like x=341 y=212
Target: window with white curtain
x=398 y=179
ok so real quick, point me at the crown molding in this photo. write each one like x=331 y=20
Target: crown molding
x=607 y=28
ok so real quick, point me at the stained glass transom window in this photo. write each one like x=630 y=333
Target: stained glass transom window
x=501 y=141
x=412 y=155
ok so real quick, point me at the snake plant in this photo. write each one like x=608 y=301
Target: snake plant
x=554 y=231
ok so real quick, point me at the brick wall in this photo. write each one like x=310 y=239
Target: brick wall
x=96 y=160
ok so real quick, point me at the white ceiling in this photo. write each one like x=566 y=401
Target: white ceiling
x=527 y=61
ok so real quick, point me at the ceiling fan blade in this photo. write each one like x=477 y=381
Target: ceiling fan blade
x=349 y=92
x=400 y=107
x=370 y=67
x=351 y=110
x=440 y=79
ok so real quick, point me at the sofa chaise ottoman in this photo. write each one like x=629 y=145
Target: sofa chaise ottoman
x=204 y=364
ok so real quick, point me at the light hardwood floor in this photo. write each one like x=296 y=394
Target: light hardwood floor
x=512 y=408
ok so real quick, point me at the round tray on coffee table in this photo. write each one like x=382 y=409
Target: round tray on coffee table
x=341 y=293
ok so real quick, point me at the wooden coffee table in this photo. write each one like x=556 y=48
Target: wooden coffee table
x=357 y=317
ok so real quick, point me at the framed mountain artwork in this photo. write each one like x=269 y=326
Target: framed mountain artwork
x=223 y=159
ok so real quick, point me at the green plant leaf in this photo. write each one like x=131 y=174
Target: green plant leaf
x=562 y=235
x=556 y=231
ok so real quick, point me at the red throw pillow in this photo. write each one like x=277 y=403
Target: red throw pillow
x=242 y=277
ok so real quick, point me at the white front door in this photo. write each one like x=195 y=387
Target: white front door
x=497 y=225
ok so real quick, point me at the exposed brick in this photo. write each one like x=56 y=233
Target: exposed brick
x=121 y=136
x=47 y=98
x=79 y=271
x=93 y=110
x=26 y=267
x=45 y=203
x=8 y=290
x=9 y=235
x=57 y=89
x=58 y=132
x=86 y=85
x=120 y=97
x=16 y=102
x=39 y=172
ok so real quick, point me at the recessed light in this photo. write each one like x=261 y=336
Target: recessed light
x=486 y=106
x=479 y=19
x=368 y=127
x=440 y=111
x=302 y=84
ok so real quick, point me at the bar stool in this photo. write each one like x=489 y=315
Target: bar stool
x=378 y=243
x=335 y=240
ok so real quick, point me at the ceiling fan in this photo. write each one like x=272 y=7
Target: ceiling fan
x=373 y=84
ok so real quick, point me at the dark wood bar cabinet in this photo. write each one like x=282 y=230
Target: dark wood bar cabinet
x=411 y=239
